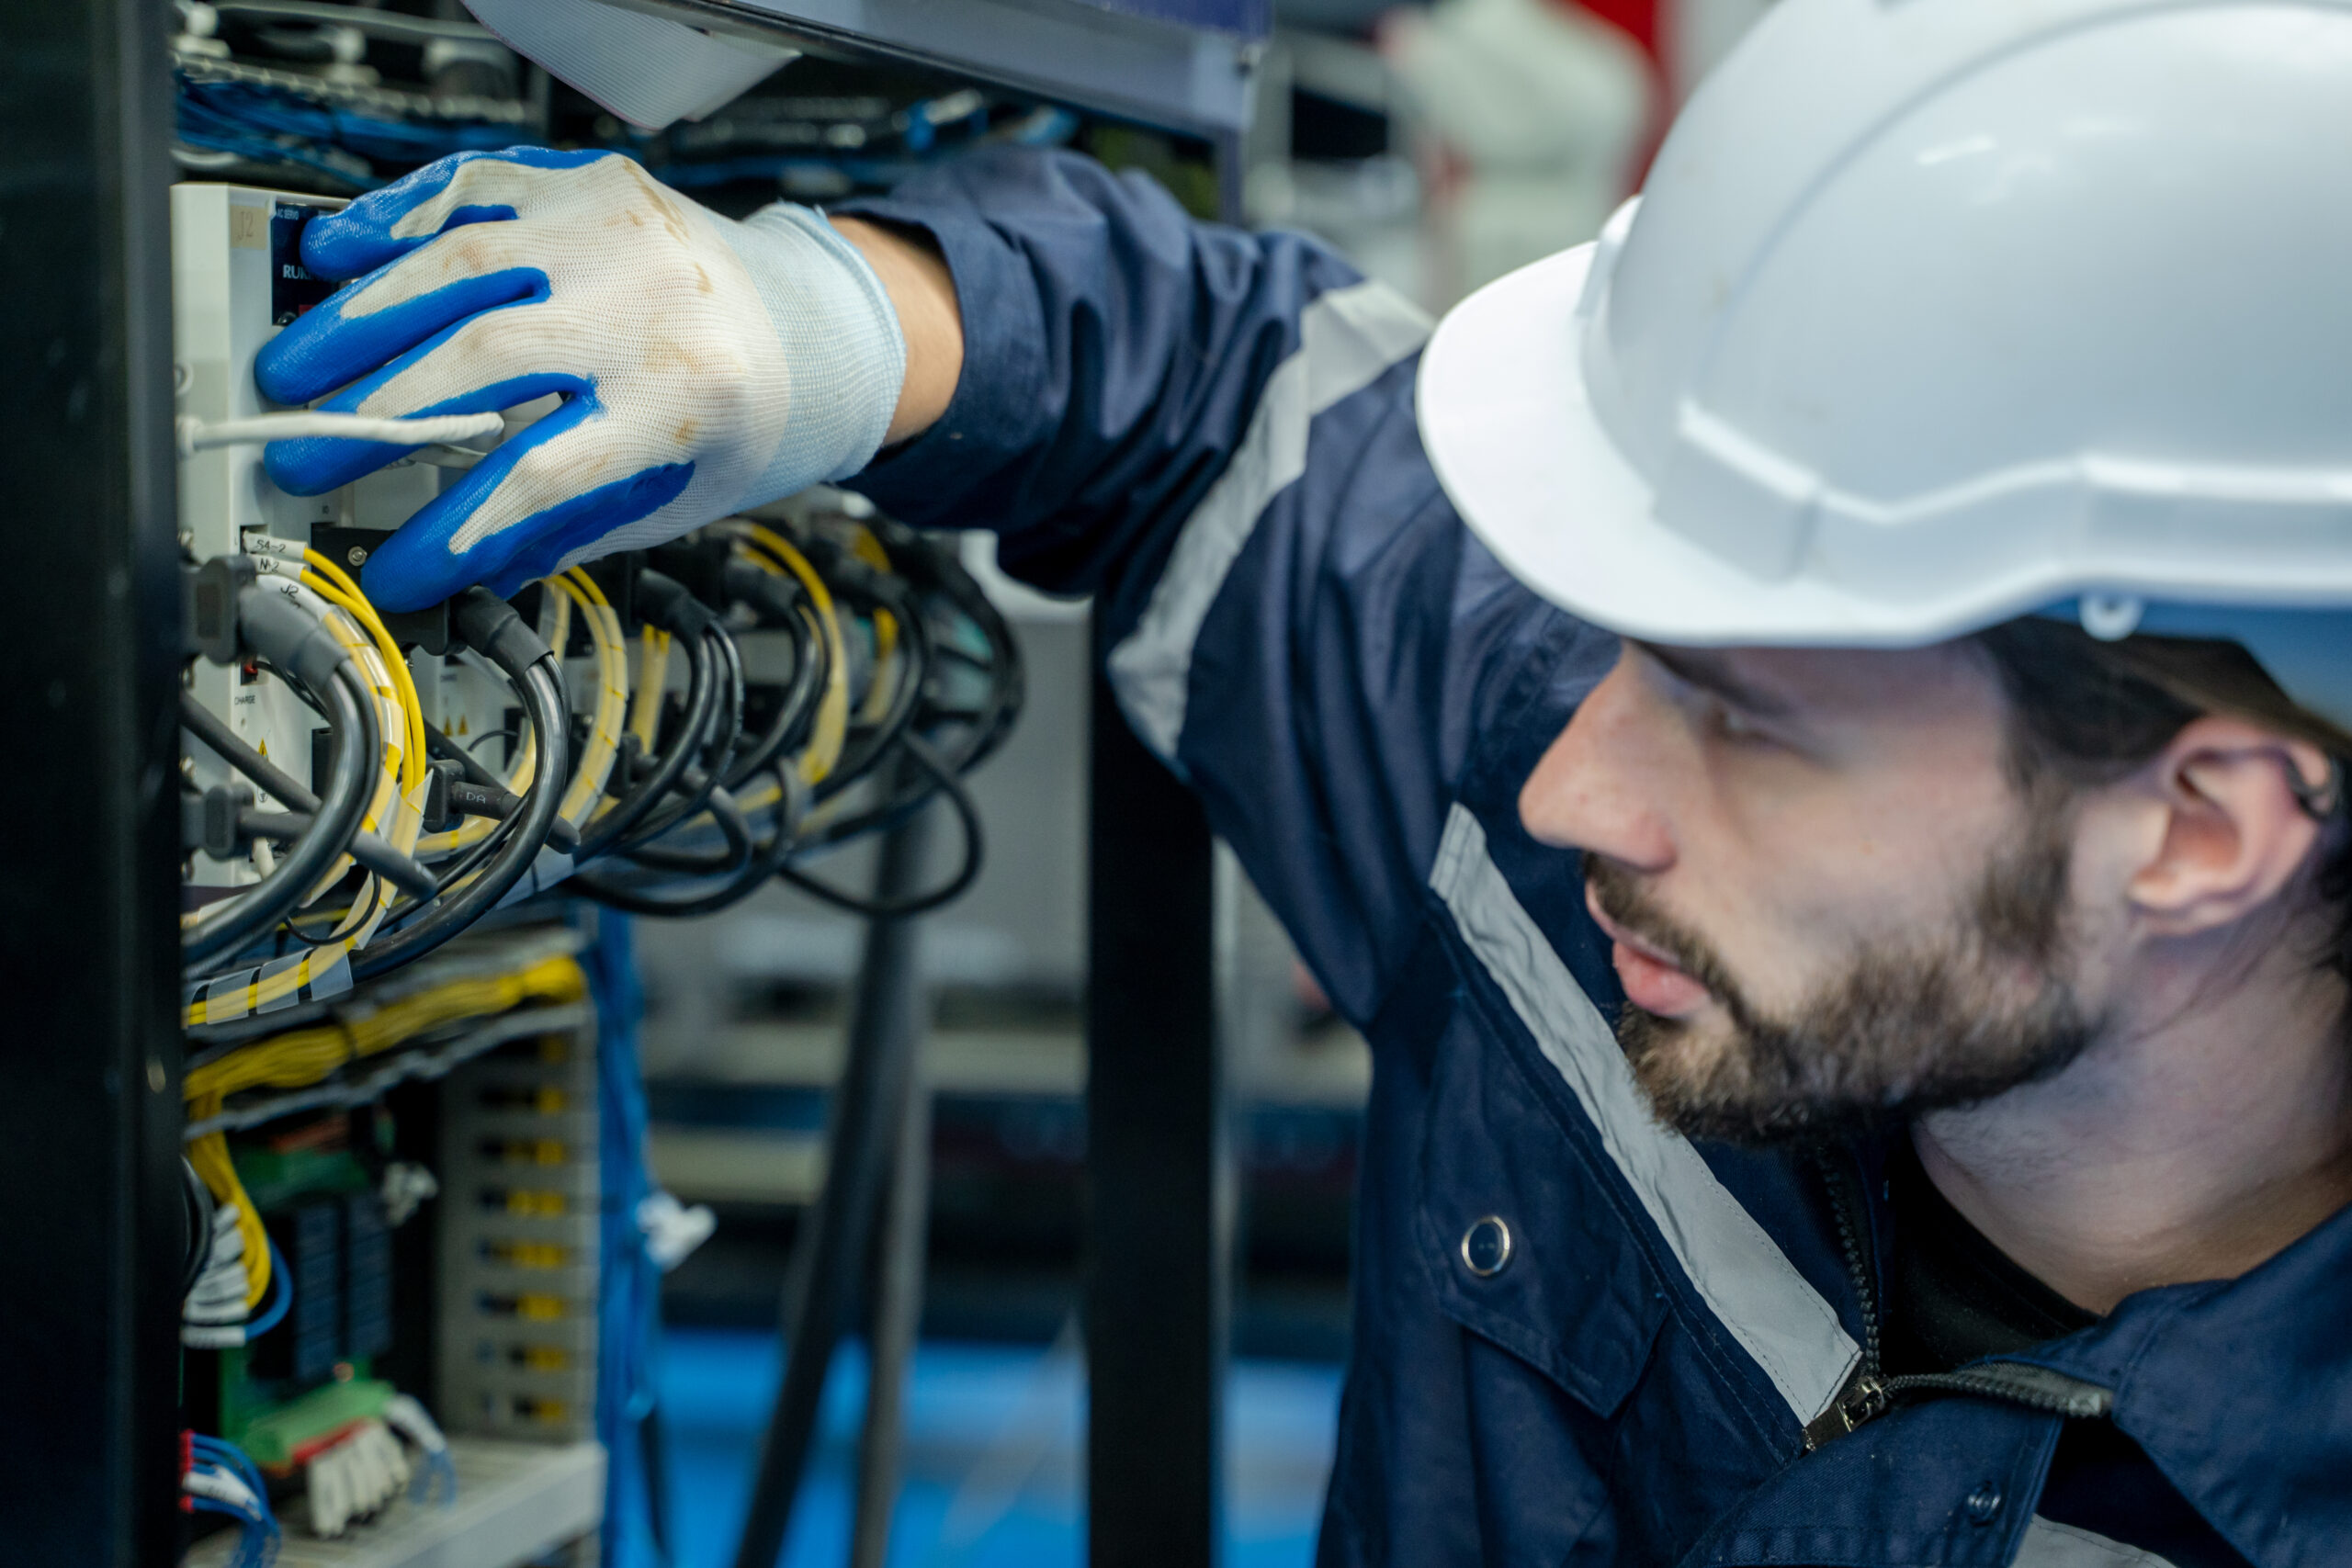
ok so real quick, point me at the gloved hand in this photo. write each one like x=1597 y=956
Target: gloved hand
x=704 y=365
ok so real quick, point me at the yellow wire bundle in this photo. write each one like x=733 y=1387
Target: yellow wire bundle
x=303 y=1057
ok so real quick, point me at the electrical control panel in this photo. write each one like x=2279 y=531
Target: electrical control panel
x=415 y=1216
x=237 y=280
x=663 y=732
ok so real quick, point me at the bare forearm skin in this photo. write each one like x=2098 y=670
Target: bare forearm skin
x=916 y=277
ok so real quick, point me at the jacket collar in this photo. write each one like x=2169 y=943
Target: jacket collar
x=2241 y=1393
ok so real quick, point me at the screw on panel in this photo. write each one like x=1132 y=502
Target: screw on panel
x=357 y=555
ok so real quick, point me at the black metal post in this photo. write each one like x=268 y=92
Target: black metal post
x=863 y=1137
x=1159 y=1241
x=89 y=1126
x=895 y=1313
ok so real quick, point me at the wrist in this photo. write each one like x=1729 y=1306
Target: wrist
x=922 y=291
x=843 y=350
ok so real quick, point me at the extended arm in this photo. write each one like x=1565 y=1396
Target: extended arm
x=1211 y=431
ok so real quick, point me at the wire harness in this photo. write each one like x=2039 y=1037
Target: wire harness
x=672 y=784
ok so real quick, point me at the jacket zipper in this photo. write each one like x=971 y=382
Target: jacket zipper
x=1870 y=1392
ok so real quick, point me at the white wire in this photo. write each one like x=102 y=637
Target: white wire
x=222 y=1487
x=197 y=435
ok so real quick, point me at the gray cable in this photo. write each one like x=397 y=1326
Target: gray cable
x=350 y=713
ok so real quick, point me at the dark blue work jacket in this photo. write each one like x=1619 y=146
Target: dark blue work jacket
x=1212 y=432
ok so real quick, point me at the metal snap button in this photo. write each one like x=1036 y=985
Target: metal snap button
x=1485 y=1246
x=1984 y=1504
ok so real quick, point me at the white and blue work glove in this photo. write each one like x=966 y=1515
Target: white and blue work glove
x=704 y=365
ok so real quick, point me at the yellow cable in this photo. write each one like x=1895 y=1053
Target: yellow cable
x=824 y=747
x=303 y=1057
x=587 y=786
x=355 y=601
x=885 y=647
x=868 y=548
x=350 y=628
x=210 y=1156
x=256 y=992
x=653 y=676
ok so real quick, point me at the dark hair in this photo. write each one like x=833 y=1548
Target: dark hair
x=2084 y=712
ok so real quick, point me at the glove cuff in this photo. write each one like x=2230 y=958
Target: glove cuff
x=842 y=346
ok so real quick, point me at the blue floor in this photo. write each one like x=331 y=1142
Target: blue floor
x=993 y=1455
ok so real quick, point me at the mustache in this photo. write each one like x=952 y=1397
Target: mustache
x=1625 y=900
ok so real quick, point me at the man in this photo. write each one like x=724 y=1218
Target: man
x=1957 y=435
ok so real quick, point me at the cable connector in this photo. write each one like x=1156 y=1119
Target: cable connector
x=489 y=626
x=208 y=821
x=663 y=600
x=274 y=627
x=209 y=596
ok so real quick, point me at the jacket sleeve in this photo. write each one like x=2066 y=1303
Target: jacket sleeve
x=1212 y=432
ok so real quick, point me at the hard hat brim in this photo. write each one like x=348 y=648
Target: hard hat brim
x=1508 y=424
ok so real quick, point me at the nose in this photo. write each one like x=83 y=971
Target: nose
x=1597 y=785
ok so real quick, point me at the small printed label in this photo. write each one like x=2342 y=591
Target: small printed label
x=249 y=228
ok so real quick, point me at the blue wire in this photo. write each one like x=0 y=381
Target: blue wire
x=258 y=1537
x=221 y=1450
x=282 y=1298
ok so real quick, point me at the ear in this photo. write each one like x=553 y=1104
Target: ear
x=2233 y=834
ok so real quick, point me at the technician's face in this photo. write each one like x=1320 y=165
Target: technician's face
x=1830 y=902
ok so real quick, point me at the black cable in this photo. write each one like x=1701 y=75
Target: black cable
x=469 y=799
x=214 y=732
x=524 y=835
x=727 y=733
x=732 y=827
x=764 y=862
x=607 y=831
x=350 y=713
x=779 y=602
x=287 y=826
x=967 y=817
x=989 y=724
x=491 y=627
x=927 y=565
x=365 y=848
x=439 y=745
x=914 y=650
x=838 y=1230
x=717 y=744
x=197 y=1199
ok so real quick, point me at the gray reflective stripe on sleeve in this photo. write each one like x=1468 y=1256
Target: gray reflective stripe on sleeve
x=1747 y=1282
x=2049 y=1544
x=1346 y=338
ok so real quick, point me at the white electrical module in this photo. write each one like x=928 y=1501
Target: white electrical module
x=237 y=279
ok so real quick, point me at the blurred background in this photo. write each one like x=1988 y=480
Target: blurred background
x=1438 y=147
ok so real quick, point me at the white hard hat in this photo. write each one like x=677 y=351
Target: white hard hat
x=1939 y=312
x=650 y=70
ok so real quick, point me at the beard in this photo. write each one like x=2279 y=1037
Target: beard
x=1903 y=1027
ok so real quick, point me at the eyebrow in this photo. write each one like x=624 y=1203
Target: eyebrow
x=1709 y=674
